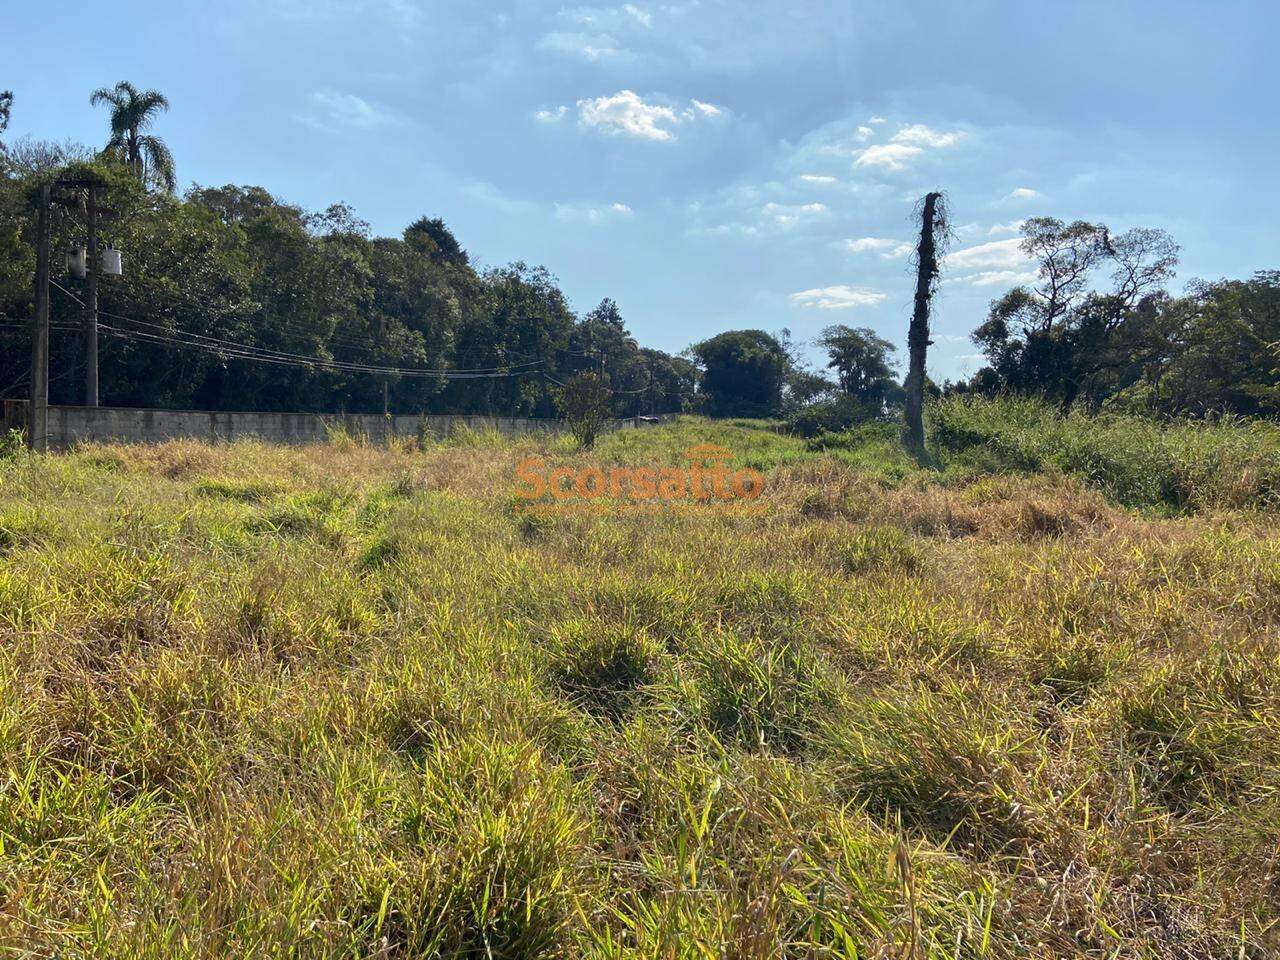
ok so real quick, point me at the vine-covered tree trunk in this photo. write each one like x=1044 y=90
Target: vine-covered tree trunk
x=918 y=335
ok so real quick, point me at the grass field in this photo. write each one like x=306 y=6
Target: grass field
x=353 y=701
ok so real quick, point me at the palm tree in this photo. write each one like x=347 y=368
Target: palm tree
x=131 y=114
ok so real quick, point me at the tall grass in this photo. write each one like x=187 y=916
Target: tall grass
x=1140 y=462
x=341 y=701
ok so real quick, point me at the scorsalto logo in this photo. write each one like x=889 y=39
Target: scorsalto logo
x=708 y=477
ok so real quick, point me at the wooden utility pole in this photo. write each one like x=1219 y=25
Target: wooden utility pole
x=91 y=304
x=38 y=422
x=918 y=334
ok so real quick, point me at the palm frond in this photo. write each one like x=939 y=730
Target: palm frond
x=151 y=101
x=105 y=95
x=159 y=161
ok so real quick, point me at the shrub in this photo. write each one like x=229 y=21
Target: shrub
x=11 y=443
x=830 y=416
x=1174 y=465
x=585 y=403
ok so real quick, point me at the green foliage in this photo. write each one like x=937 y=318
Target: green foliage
x=584 y=404
x=1215 y=351
x=1130 y=346
x=132 y=113
x=863 y=362
x=230 y=270
x=743 y=372
x=11 y=444
x=831 y=416
x=1140 y=462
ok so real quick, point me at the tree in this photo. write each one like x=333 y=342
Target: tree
x=1060 y=337
x=1214 y=351
x=132 y=113
x=669 y=382
x=933 y=231
x=743 y=372
x=862 y=361
x=6 y=105
x=586 y=404
x=437 y=239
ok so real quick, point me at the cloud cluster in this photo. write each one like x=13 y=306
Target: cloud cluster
x=626 y=113
x=591 y=213
x=842 y=297
x=592 y=47
x=594 y=30
x=551 y=115
x=786 y=215
x=889 y=249
x=987 y=264
x=907 y=144
x=331 y=110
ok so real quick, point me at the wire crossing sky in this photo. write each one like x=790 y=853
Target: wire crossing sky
x=709 y=165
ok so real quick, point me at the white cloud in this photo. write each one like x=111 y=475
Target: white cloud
x=591 y=213
x=331 y=109
x=1000 y=262
x=552 y=115
x=593 y=47
x=788 y=215
x=609 y=18
x=996 y=255
x=818 y=179
x=486 y=193
x=877 y=120
x=1022 y=193
x=1009 y=278
x=841 y=297
x=1013 y=226
x=919 y=135
x=638 y=14
x=889 y=249
x=627 y=113
x=907 y=144
x=891 y=156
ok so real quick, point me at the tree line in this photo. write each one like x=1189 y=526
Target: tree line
x=235 y=299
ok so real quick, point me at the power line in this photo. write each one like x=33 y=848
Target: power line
x=230 y=352
x=244 y=351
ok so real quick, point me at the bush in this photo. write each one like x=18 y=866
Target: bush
x=1177 y=465
x=830 y=416
x=10 y=445
x=585 y=402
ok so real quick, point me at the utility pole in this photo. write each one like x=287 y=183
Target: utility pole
x=38 y=422
x=91 y=304
x=650 y=391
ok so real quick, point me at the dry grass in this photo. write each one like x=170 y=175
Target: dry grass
x=348 y=701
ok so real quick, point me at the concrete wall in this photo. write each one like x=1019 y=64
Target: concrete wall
x=71 y=425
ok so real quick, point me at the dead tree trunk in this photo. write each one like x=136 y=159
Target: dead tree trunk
x=918 y=335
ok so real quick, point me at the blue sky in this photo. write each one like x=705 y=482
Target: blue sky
x=709 y=165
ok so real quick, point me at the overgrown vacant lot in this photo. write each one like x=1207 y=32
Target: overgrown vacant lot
x=350 y=701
